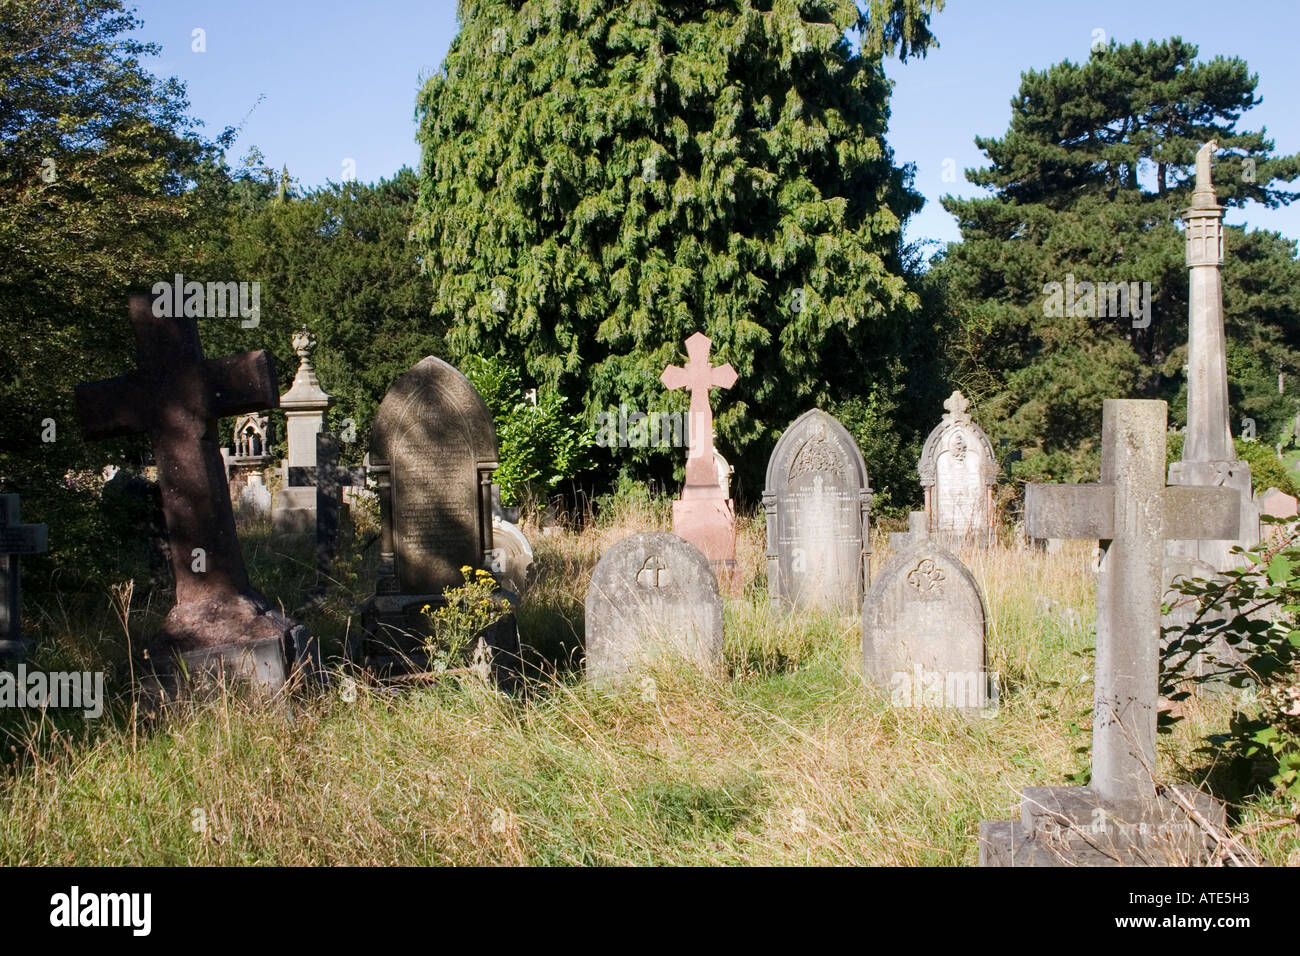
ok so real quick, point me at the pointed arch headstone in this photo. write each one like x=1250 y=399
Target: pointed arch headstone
x=818 y=504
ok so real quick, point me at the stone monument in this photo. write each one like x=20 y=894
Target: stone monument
x=959 y=472
x=1122 y=817
x=652 y=595
x=923 y=626
x=16 y=539
x=818 y=505
x=433 y=449
x=294 y=509
x=220 y=623
x=704 y=515
x=1209 y=457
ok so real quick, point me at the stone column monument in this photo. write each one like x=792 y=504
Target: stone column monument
x=1208 y=454
x=294 y=511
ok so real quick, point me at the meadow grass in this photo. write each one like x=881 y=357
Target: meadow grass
x=789 y=758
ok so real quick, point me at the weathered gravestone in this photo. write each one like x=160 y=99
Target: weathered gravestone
x=220 y=624
x=16 y=539
x=652 y=596
x=818 y=503
x=247 y=464
x=1277 y=504
x=433 y=449
x=294 y=509
x=704 y=515
x=959 y=472
x=330 y=478
x=511 y=558
x=1122 y=817
x=923 y=625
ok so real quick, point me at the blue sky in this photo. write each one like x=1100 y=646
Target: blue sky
x=337 y=78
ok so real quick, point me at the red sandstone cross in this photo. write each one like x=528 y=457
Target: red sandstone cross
x=697 y=378
x=176 y=396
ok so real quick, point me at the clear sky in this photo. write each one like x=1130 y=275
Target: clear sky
x=337 y=78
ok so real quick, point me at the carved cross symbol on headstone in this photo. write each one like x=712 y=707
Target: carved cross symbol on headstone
x=15 y=539
x=176 y=396
x=697 y=378
x=1131 y=512
x=651 y=571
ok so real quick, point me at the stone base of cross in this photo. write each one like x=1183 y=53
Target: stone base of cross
x=1124 y=817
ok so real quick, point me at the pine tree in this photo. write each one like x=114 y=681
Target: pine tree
x=1088 y=183
x=603 y=178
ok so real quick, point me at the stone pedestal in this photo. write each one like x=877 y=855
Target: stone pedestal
x=1074 y=826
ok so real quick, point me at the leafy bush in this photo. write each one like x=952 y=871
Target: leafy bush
x=1252 y=610
x=539 y=445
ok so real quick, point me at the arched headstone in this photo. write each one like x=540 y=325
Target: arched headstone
x=652 y=595
x=433 y=449
x=923 y=624
x=818 y=504
x=958 y=472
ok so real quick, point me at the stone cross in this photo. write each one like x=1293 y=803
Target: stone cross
x=1132 y=513
x=330 y=479
x=15 y=539
x=698 y=377
x=176 y=396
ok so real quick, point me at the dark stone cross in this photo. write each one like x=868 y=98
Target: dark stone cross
x=175 y=396
x=1132 y=513
x=15 y=539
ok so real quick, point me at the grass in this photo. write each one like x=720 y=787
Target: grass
x=790 y=759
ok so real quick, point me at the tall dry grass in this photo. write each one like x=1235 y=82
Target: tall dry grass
x=790 y=758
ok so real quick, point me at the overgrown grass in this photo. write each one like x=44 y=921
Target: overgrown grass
x=790 y=759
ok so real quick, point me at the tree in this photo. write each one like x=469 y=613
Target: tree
x=334 y=259
x=1087 y=186
x=96 y=156
x=602 y=179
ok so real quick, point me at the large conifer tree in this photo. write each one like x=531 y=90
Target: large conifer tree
x=602 y=178
x=1088 y=182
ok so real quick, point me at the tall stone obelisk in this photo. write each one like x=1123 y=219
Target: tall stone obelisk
x=1208 y=454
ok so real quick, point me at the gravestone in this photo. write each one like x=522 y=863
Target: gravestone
x=247 y=462
x=923 y=626
x=433 y=449
x=175 y=396
x=294 y=509
x=651 y=596
x=704 y=515
x=16 y=539
x=330 y=478
x=511 y=558
x=1121 y=817
x=1277 y=504
x=818 y=503
x=918 y=528
x=1209 y=457
x=958 y=472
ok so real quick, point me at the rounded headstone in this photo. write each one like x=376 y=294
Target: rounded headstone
x=923 y=627
x=652 y=595
x=816 y=495
x=511 y=555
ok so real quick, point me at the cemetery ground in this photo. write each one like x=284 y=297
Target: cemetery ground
x=788 y=759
